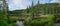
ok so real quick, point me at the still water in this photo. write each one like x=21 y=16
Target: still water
x=57 y=24
x=19 y=23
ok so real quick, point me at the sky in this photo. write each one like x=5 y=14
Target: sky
x=22 y=4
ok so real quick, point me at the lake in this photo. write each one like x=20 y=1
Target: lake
x=19 y=23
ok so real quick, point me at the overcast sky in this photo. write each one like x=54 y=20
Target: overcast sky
x=22 y=4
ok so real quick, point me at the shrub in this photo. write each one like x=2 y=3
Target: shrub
x=27 y=22
x=12 y=20
x=51 y=23
x=13 y=24
x=50 y=20
x=4 y=21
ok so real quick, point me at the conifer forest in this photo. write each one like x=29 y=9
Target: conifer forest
x=34 y=15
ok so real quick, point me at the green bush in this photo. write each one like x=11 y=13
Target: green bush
x=50 y=20
x=36 y=22
x=12 y=20
x=57 y=17
x=27 y=22
x=4 y=21
x=51 y=23
x=13 y=24
x=50 y=16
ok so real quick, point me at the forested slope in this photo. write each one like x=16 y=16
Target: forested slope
x=49 y=8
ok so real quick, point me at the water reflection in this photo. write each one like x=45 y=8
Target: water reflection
x=20 y=23
x=57 y=24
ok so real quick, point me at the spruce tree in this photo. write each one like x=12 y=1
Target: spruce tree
x=38 y=8
x=32 y=12
x=4 y=20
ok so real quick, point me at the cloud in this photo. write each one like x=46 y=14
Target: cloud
x=55 y=1
x=44 y=1
x=22 y=4
x=18 y=4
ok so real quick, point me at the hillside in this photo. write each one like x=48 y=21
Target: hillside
x=50 y=8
